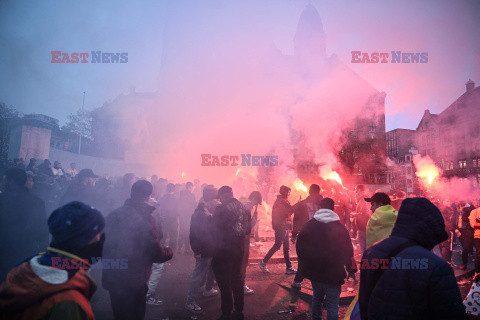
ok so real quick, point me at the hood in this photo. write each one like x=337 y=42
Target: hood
x=30 y=283
x=421 y=221
x=326 y=216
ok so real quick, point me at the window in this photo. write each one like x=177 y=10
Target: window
x=476 y=163
x=462 y=164
x=409 y=170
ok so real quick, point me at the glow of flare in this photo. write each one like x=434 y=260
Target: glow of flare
x=426 y=169
x=335 y=176
x=328 y=174
x=299 y=186
x=183 y=174
x=238 y=170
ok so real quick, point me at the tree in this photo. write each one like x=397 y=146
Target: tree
x=79 y=123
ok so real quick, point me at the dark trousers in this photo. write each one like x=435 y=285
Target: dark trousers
x=184 y=237
x=466 y=239
x=227 y=267
x=128 y=303
x=477 y=255
x=246 y=255
x=170 y=231
x=299 y=275
x=281 y=237
x=446 y=249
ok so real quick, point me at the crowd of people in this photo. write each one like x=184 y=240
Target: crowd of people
x=135 y=225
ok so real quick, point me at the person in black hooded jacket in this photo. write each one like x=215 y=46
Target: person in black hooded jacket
x=417 y=284
x=132 y=234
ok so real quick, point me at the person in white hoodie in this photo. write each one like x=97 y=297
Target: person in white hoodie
x=325 y=249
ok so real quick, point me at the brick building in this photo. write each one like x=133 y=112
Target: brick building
x=452 y=137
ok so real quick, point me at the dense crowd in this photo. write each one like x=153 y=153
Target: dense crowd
x=135 y=225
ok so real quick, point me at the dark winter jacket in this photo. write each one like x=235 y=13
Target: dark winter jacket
x=304 y=211
x=464 y=223
x=23 y=227
x=423 y=289
x=449 y=217
x=131 y=234
x=36 y=291
x=78 y=192
x=281 y=212
x=231 y=223
x=325 y=249
x=168 y=207
x=186 y=206
x=201 y=238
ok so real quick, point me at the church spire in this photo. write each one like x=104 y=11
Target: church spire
x=309 y=41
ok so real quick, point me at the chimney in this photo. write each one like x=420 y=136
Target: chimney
x=427 y=111
x=470 y=85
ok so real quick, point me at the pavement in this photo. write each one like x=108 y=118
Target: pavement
x=273 y=297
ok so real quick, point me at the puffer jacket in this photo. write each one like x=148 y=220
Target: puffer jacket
x=35 y=291
x=423 y=288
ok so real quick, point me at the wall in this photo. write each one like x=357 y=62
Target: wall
x=100 y=166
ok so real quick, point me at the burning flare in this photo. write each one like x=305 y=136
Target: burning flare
x=238 y=170
x=426 y=169
x=299 y=186
x=327 y=173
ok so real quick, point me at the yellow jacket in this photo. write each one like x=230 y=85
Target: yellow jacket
x=475 y=221
x=381 y=224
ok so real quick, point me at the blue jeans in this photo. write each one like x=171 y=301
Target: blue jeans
x=281 y=237
x=202 y=271
x=328 y=293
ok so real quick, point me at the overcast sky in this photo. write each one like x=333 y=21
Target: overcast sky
x=30 y=30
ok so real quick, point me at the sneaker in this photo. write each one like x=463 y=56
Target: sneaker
x=296 y=285
x=247 y=291
x=210 y=293
x=151 y=300
x=193 y=307
x=263 y=266
x=290 y=271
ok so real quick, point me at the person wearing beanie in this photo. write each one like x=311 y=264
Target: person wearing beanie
x=201 y=242
x=416 y=284
x=231 y=224
x=55 y=284
x=281 y=213
x=325 y=250
x=132 y=235
x=21 y=213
